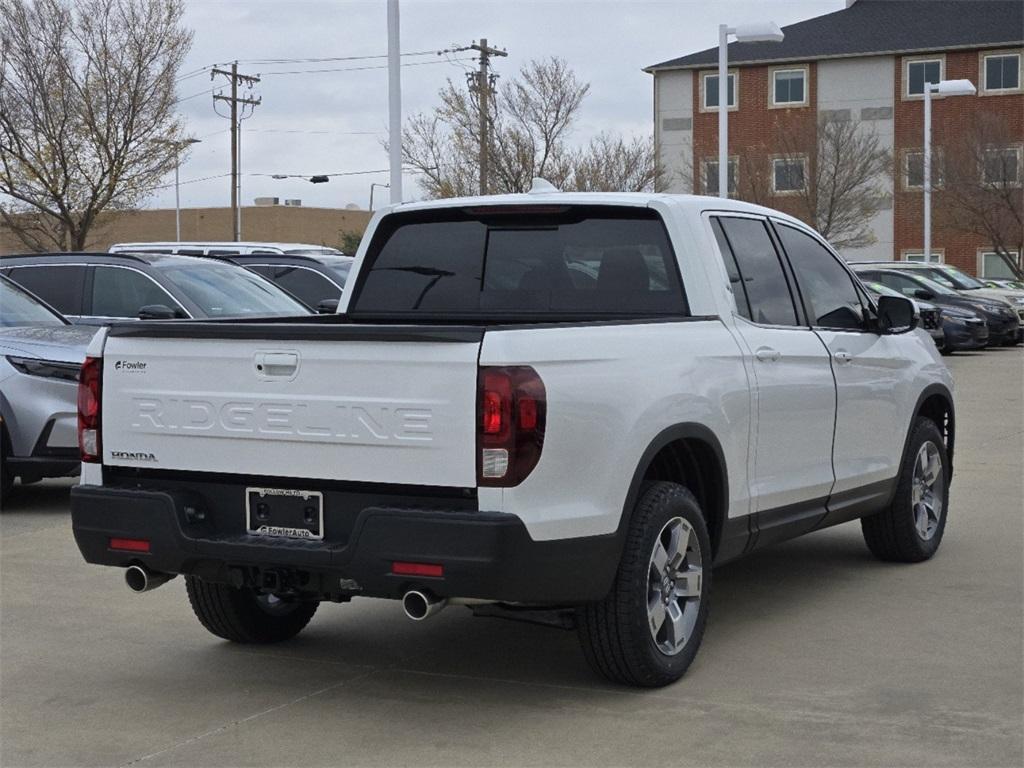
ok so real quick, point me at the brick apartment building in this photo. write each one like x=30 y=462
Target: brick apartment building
x=866 y=63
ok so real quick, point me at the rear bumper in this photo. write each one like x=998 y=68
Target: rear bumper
x=486 y=555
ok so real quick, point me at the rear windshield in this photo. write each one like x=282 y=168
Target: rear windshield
x=534 y=263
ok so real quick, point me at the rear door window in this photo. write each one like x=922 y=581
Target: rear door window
x=534 y=262
x=122 y=292
x=59 y=285
x=760 y=269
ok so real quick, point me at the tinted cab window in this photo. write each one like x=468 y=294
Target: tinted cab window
x=752 y=260
x=827 y=288
x=541 y=262
x=59 y=285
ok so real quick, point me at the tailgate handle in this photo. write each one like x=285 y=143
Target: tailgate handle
x=277 y=363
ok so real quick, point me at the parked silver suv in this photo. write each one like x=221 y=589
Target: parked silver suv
x=40 y=357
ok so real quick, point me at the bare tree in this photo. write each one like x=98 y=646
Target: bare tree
x=846 y=173
x=613 y=164
x=87 y=118
x=982 y=191
x=846 y=177
x=529 y=122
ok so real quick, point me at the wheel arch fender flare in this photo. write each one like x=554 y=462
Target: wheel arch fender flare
x=948 y=429
x=669 y=435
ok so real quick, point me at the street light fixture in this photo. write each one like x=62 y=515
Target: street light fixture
x=757 y=32
x=177 y=164
x=376 y=184
x=941 y=88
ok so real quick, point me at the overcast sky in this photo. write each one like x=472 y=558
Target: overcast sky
x=331 y=122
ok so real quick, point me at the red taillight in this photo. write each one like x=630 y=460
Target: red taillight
x=89 y=409
x=130 y=545
x=513 y=409
x=416 y=569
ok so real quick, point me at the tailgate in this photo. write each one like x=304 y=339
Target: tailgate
x=388 y=404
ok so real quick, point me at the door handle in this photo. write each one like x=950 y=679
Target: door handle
x=767 y=354
x=842 y=357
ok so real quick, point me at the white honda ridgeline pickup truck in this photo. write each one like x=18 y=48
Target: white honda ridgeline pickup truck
x=526 y=403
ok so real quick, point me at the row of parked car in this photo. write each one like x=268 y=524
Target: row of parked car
x=49 y=301
x=51 y=304
x=959 y=311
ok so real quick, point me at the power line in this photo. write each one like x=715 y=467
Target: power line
x=194 y=95
x=339 y=58
x=357 y=69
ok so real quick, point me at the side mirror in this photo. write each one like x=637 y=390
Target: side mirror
x=896 y=314
x=924 y=294
x=157 y=312
x=327 y=307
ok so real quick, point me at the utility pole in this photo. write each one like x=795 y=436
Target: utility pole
x=234 y=100
x=482 y=82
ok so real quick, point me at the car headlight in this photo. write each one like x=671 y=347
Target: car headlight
x=47 y=369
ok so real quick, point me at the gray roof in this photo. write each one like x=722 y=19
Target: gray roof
x=879 y=26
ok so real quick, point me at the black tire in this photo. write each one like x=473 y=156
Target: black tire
x=242 y=616
x=893 y=534
x=617 y=640
x=6 y=478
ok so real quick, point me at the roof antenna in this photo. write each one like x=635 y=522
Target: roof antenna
x=540 y=186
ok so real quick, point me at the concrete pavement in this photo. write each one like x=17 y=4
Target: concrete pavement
x=815 y=654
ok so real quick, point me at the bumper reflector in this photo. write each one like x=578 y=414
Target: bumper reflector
x=130 y=545
x=417 y=569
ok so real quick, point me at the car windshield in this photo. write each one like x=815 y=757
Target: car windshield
x=226 y=290
x=18 y=307
x=934 y=286
x=954 y=278
x=339 y=265
x=882 y=290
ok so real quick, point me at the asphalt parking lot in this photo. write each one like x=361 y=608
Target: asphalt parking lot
x=815 y=654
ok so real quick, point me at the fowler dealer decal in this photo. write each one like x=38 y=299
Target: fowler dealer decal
x=130 y=366
x=132 y=456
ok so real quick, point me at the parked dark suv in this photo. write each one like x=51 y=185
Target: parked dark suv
x=1003 y=326
x=94 y=288
x=317 y=280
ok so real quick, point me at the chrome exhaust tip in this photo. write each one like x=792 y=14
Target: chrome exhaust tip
x=421 y=605
x=141 y=579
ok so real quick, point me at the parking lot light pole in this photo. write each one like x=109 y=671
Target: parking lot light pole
x=762 y=32
x=942 y=88
x=372 y=187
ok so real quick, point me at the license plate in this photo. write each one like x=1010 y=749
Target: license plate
x=284 y=513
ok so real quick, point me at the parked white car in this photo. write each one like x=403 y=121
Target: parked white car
x=557 y=402
x=225 y=248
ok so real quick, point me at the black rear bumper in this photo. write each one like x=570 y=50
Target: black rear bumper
x=487 y=555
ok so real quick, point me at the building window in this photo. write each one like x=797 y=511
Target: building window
x=789 y=87
x=938 y=257
x=711 y=176
x=788 y=175
x=991 y=264
x=921 y=71
x=1001 y=72
x=1001 y=167
x=710 y=90
x=913 y=169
